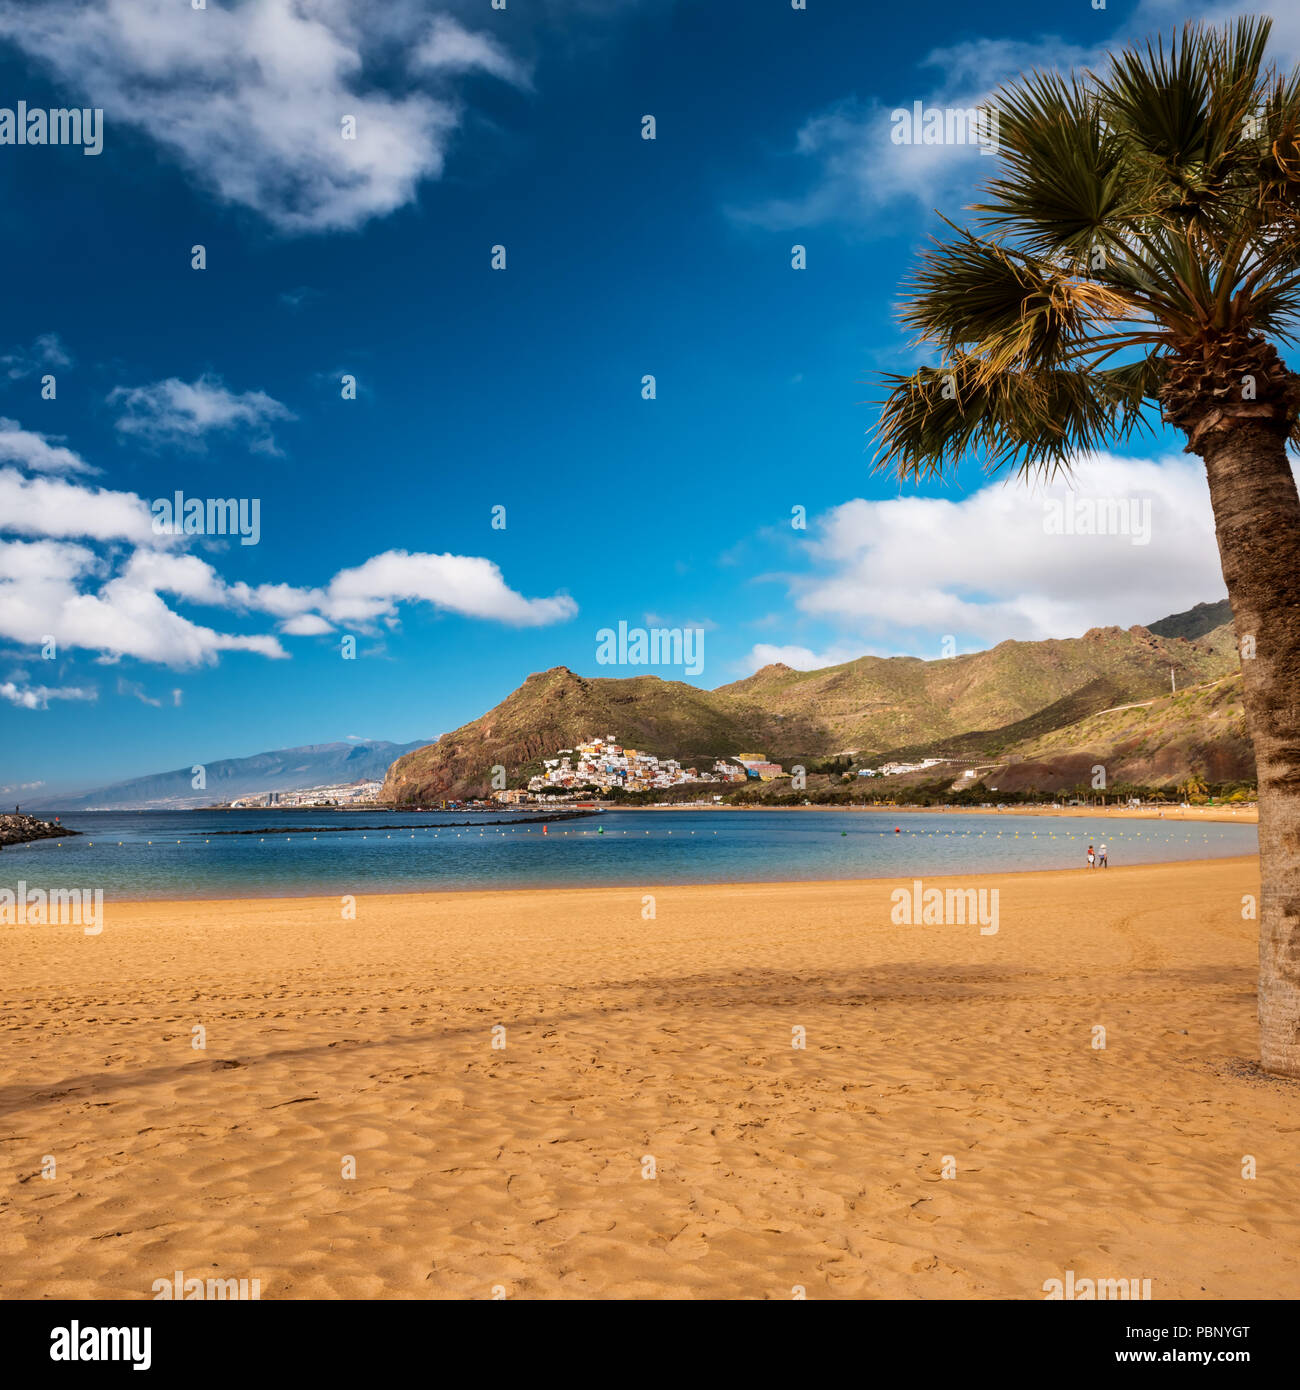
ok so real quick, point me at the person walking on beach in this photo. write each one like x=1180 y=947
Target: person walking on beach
x=1092 y=860
x=1101 y=860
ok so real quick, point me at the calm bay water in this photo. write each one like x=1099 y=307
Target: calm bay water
x=183 y=854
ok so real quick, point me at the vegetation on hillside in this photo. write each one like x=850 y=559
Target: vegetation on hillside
x=984 y=705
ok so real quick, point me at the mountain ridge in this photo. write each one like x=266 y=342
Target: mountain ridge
x=281 y=769
x=872 y=708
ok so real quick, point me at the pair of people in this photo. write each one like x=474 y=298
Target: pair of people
x=1097 y=858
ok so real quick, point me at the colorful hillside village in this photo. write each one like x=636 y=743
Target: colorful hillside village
x=606 y=764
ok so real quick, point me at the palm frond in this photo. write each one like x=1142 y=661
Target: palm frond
x=1139 y=220
x=1030 y=419
x=1017 y=308
x=1064 y=183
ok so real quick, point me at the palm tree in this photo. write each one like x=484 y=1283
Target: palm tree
x=1192 y=786
x=1138 y=251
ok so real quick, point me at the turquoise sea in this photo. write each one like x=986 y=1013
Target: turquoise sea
x=191 y=854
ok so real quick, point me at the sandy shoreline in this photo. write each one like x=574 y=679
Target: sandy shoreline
x=670 y=1038
x=1245 y=815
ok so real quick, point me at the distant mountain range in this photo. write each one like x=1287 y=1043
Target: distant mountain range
x=1019 y=702
x=286 y=769
x=1038 y=714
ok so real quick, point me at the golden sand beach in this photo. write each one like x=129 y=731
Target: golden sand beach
x=1247 y=814
x=632 y=1041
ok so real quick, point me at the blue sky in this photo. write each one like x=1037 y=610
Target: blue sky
x=478 y=388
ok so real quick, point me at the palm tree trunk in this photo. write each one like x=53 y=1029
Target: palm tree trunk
x=1257 y=519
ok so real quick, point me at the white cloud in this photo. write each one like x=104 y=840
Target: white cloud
x=1001 y=562
x=37 y=452
x=306 y=625
x=54 y=508
x=856 y=173
x=56 y=585
x=183 y=412
x=465 y=584
x=47 y=590
x=249 y=98
x=851 y=170
x=46 y=351
x=280 y=600
x=804 y=658
x=137 y=692
x=468 y=585
x=450 y=48
x=184 y=576
x=39 y=697
x=1164 y=16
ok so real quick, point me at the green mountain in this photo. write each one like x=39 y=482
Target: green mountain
x=881 y=705
x=989 y=704
x=1196 y=622
x=1152 y=743
x=554 y=709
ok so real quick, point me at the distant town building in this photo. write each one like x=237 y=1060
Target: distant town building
x=346 y=794
x=897 y=769
x=757 y=765
x=606 y=764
